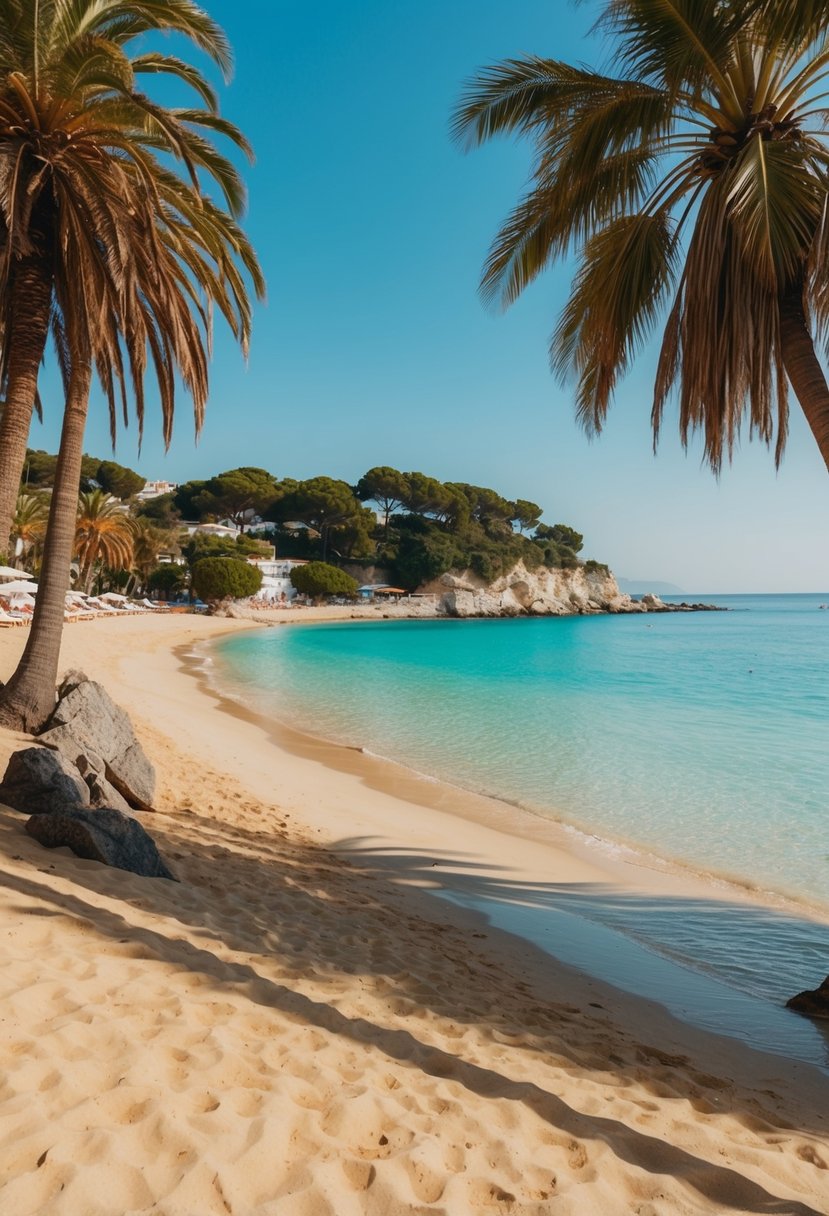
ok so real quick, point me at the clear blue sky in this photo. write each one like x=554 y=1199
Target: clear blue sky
x=374 y=348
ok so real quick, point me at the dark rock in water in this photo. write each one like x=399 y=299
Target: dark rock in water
x=101 y=835
x=813 y=1004
x=38 y=781
x=87 y=722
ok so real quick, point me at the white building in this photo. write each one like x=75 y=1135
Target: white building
x=276 y=579
x=154 y=489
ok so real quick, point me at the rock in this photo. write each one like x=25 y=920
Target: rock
x=102 y=794
x=133 y=776
x=71 y=679
x=87 y=722
x=101 y=835
x=38 y=781
x=814 y=1004
x=97 y=723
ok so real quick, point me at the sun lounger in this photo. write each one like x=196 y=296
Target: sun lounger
x=100 y=608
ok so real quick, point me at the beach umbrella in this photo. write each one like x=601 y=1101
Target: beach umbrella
x=21 y=586
x=9 y=572
x=112 y=595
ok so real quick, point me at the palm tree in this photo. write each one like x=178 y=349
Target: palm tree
x=148 y=541
x=144 y=261
x=103 y=535
x=29 y=524
x=694 y=186
x=70 y=106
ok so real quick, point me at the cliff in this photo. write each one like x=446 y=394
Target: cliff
x=541 y=592
x=522 y=592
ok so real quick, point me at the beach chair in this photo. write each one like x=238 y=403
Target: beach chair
x=100 y=608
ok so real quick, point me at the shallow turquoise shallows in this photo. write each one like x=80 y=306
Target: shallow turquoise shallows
x=700 y=737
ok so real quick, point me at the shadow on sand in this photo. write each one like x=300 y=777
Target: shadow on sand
x=301 y=903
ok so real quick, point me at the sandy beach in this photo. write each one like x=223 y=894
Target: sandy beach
x=300 y=1027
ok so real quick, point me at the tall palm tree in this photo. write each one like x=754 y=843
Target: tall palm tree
x=70 y=104
x=694 y=184
x=103 y=535
x=144 y=261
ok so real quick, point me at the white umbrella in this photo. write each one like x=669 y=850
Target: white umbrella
x=9 y=572
x=20 y=597
x=21 y=586
x=112 y=595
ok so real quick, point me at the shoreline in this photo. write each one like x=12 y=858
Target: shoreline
x=613 y=864
x=570 y=833
x=384 y=1006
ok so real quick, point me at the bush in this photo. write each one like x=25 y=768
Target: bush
x=167 y=578
x=592 y=567
x=319 y=578
x=222 y=578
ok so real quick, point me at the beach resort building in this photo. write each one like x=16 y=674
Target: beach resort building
x=276 y=579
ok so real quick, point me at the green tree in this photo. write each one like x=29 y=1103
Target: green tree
x=425 y=495
x=185 y=499
x=386 y=487
x=330 y=507
x=222 y=578
x=526 y=514
x=319 y=579
x=423 y=556
x=160 y=510
x=168 y=578
x=39 y=470
x=237 y=494
x=487 y=507
x=694 y=185
x=119 y=481
x=101 y=234
x=560 y=534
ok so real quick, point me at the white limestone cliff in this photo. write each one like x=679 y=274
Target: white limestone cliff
x=540 y=592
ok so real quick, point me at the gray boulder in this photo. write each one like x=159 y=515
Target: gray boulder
x=133 y=776
x=813 y=1004
x=101 y=835
x=38 y=781
x=87 y=722
x=102 y=794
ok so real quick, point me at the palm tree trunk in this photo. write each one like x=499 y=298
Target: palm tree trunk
x=803 y=368
x=28 y=331
x=29 y=697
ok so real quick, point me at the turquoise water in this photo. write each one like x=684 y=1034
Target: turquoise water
x=699 y=737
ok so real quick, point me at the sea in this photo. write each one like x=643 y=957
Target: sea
x=695 y=740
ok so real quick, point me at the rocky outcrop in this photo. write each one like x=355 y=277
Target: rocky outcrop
x=523 y=592
x=104 y=835
x=96 y=736
x=813 y=1004
x=38 y=781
